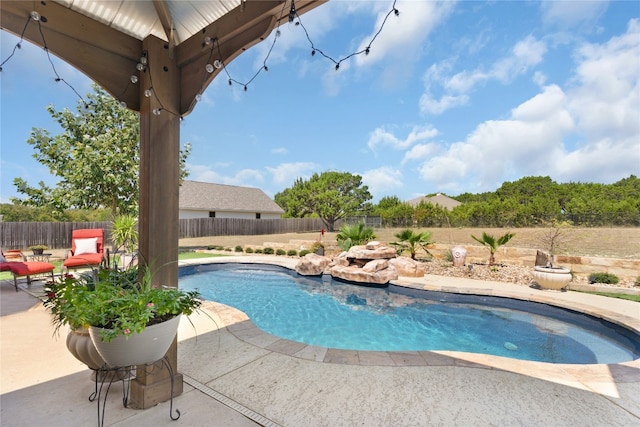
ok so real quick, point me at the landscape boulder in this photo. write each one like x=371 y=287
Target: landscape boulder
x=312 y=265
x=372 y=250
x=408 y=267
x=356 y=274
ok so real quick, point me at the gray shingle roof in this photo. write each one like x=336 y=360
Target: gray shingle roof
x=218 y=197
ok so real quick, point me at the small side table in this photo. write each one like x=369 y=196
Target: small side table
x=39 y=257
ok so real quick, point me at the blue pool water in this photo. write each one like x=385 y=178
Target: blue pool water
x=334 y=314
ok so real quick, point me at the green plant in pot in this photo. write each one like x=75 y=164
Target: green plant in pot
x=121 y=309
x=38 y=249
x=124 y=237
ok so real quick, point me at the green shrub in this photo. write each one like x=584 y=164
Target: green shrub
x=249 y=250
x=227 y=249
x=281 y=252
x=304 y=252
x=239 y=248
x=259 y=251
x=211 y=247
x=606 y=278
x=293 y=252
x=268 y=251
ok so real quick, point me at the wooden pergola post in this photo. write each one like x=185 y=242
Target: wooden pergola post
x=158 y=203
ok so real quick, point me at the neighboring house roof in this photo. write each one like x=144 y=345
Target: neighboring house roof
x=218 y=197
x=439 y=199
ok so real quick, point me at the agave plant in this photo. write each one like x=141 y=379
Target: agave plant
x=410 y=241
x=493 y=244
x=352 y=235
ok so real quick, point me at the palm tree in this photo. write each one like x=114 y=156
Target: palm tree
x=410 y=241
x=356 y=234
x=493 y=244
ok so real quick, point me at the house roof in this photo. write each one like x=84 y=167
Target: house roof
x=207 y=196
x=439 y=199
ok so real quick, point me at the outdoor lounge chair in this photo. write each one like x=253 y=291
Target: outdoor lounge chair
x=87 y=249
x=22 y=267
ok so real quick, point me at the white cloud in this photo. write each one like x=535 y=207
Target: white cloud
x=243 y=177
x=524 y=55
x=287 y=173
x=397 y=47
x=606 y=92
x=587 y=132
x=280 y=150
x=381 y=137
x=382 y=180
x=419 y=151
x=570 y=14
x=403 y=36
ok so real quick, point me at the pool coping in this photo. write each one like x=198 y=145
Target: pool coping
x=593 y=377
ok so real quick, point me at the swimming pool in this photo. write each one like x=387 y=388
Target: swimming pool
x=327 y=313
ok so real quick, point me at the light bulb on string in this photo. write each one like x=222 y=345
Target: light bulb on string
x=209 y=68
x=199 y=97
x=140 y=66
x=123 y=104
x=148 y=93
x=292 y=12
x=156 y=111
x=134 y=79
x=35 y=16
x=208 y=41
x=217 y=63
x=143 y=60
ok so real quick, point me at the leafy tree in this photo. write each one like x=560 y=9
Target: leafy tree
x=354 y=234
x=96 y=158
x=330 y=195
x=410 y=241
x=493 y=244
x=394 y=212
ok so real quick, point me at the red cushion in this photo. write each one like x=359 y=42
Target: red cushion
x=84 y=259
x=27 y=268
x=87 y=233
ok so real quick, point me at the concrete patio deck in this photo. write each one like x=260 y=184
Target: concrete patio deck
x=237 y=375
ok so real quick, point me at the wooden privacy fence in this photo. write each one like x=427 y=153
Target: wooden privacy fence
x=57 y=235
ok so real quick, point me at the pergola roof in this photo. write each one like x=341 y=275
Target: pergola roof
x=169 y=20
x=104 y=38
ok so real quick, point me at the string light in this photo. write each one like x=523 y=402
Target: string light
x=364 y=51
x=292 y=12
x=37 y=18
x=213 y=42
x=210 y=67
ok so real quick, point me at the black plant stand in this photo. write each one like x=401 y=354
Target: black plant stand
x=106 y=376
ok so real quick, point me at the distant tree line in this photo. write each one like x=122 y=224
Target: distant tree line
x=528 y=202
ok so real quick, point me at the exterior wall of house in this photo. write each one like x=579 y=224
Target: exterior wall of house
x=190 y=214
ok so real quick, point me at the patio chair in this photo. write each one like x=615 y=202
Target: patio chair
x=87 y=249
x=19 y=266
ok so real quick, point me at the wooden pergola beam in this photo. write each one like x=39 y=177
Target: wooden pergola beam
x=105 y=55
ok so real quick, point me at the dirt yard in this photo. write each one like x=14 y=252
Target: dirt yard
x=601 y=242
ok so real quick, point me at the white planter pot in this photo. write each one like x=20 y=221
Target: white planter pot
x=552 y=278
x=139 y=349
x=81 y=347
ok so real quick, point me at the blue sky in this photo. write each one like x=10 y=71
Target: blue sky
x=454 y=97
